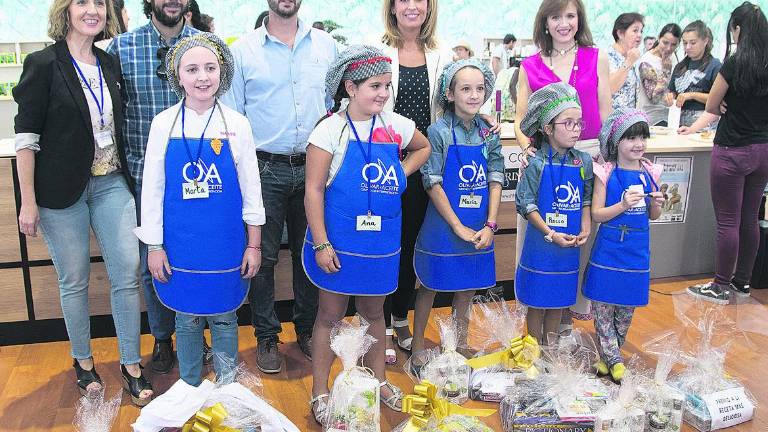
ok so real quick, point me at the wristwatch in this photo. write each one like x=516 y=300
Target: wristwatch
x=550 y=237
x=492 y=225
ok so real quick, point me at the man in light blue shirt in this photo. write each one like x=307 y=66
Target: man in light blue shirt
x=279 y=84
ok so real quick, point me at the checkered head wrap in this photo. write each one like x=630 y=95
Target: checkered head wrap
x=452 y=69
x=358 y=62
x=620 y=120
x=547 y=103
x=207 y=40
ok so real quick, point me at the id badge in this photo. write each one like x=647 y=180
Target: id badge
x=557 y=220
x=470 y=201
x=194 y=190
x=104 y=138
x=369 y=223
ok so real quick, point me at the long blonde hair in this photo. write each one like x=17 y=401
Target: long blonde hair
x=392 y=36
x=58 y=21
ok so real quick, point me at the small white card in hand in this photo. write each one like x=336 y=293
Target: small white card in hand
x=639 y=189
x=673 y=118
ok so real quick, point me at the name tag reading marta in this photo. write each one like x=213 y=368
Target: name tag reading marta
x=194 y=190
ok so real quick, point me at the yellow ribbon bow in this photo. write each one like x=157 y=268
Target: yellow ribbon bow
x=209 y=420
x=521 y=354
x=425 y=404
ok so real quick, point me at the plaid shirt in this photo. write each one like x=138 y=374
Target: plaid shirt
x=144 y=94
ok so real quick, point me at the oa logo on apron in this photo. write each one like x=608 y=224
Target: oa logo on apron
x=382 y=178
x=568 y=194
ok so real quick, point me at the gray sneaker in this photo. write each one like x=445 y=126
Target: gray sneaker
x=739 y=289
x=710 y=292
x=268 y=358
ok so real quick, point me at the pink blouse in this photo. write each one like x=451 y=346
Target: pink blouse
x=583 y=78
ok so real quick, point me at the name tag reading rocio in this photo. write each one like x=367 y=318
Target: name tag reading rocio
x=194 y=190
x=369 y=223
x=557 y=220
x=470 y=201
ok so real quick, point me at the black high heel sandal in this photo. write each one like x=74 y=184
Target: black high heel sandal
x=135 y=386
x=85 y=377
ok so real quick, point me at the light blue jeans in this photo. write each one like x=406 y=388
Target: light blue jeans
x=161 y=319
x=107 y=207
x=189 y=345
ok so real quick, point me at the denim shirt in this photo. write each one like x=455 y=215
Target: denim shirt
x=440 y=138
x=527 y=194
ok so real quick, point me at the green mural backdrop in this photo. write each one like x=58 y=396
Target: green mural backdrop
x=361 y=19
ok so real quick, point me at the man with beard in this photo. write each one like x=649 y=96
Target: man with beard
x=279 y=85
x=146 y=93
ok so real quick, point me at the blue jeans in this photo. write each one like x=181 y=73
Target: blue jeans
x=107 y=207
x=282 y=190
x=189 y=345
x=161 y=319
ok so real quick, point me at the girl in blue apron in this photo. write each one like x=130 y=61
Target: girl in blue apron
x=200 y=185
x=463 y=177
x=354 y=180
x=626 y=197
x=554 y=194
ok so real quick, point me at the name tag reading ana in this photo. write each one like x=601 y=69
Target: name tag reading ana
x=369 y=223
x=470 y=201
x=194 y=190
x=557 y=220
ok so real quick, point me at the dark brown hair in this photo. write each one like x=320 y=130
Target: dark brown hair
x=702 y=32
x=625 y=21
x=551 y=7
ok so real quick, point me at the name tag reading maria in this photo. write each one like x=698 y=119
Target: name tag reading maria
x=369 y=223
x=194 y=190
x=557 y=220
x=470 y=201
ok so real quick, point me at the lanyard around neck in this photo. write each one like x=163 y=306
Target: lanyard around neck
x=366 y=156
x=552 y=175
x=99 y=103
x=475 y=180
x=192 y=161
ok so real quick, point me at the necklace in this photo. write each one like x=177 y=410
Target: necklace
x=563 y=52
x=574 y=68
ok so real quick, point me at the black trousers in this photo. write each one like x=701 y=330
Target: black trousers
x=415 y=202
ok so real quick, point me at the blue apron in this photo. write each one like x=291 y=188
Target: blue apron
x=204 y=238
x=548 y=275
x=369 y=182
x=619 y=270
x=443 y=261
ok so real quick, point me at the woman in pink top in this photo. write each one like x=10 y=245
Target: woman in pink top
x=567 y=55
x=562 y=34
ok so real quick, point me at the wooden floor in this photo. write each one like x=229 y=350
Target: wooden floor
x=38 y=390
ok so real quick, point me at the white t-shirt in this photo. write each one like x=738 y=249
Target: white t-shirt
x=105 y=160
x=502 y=53
x=238 y=130
x=654 y=77
x=333 y=134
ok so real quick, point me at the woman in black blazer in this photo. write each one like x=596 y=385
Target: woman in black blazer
x=73 y=178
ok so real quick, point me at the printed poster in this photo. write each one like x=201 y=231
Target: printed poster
x=511 y=155
x=675 y=184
